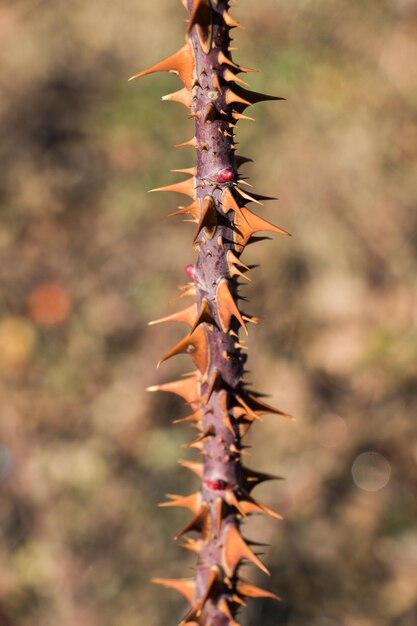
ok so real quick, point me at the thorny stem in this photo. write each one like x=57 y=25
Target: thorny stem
x=223 y=408
x=221 y=458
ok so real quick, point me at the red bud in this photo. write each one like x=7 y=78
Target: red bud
x=225 y=176
x=216 y=485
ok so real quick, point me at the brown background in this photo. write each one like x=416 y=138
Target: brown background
x=87 y=258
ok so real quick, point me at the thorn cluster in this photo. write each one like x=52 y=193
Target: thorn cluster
x=222 y=407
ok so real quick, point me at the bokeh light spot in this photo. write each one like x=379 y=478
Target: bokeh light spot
x=371 y=471
x=49 y=304
x=17 y=341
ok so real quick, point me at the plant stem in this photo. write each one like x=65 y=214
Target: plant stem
x=223 y=408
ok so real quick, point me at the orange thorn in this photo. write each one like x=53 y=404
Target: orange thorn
x=181 y=63
x=232 y=98
x=230 y=21
x=186 y=170
x=194 y=466
x=247 y=196
x=187 y=389
x=229 y=76
x=230 y=202
x=187 y=290
x=222 y=401
x=249 y=412
x=204 y=315
x=210 y=113
x=240 y=116
x=192 y=209
x=193 y=616
x=232 y=261
x=192 y=502
x=191 y=544
x=216 y=83
x=223 y=59
x=201 y=17
x=252 y=320
x=214 y=577
x=194 y=417
x=225 y=609
x=196 y=345
x=191 y=142
x=235 y=450
x=232 y=258
x=185 y=586
x=208 y=218
x=188 y=316
x=226 y=307
x=250 y=505
x=197 y=523
x=250 y=591
x=220 y=509
x=183 y=96
x=187 y=187
x=232 y=499
x=227 y=422
x=235 y=549
x=247 y=70
x=243 y=181
x=248 y=223
x=215 y=384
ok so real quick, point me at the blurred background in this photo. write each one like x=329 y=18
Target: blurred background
x=87 y=258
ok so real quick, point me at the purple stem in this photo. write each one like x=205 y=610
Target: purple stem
x=215 y=154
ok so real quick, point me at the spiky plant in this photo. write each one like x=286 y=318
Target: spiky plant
x=223 y=408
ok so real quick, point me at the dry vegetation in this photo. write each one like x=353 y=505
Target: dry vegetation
x=87 y=259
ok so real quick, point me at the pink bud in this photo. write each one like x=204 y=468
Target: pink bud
x=225 y=176
x=190 y=271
